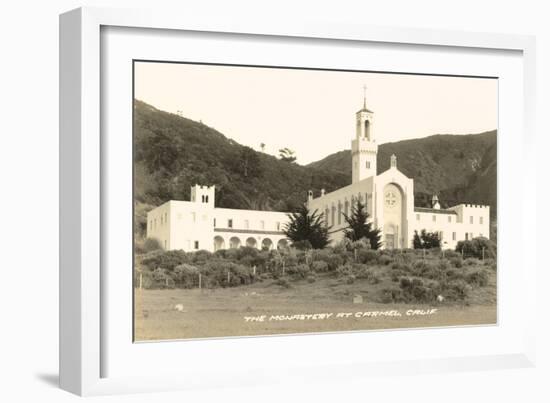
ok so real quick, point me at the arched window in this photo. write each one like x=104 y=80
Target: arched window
x=367 y=129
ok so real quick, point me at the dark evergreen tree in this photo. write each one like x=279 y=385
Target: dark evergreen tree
x=426 y=240
x=305 y=227
x=417 y=242
x=359 y=227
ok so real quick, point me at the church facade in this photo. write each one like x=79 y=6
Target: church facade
x=388 y=197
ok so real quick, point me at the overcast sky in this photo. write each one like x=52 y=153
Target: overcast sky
x=313 y=112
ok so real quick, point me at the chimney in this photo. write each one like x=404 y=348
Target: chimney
x=309 y=195
x=322 y=192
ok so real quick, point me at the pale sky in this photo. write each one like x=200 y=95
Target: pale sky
x=313 y=112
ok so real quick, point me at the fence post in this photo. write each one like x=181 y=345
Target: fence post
x=283 y=267
x=228 y=277
x=200 y=281
x=424 y=254
x=462 y=252
x=483 y=253
x=254 y=270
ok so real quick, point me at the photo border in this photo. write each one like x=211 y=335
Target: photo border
x=81 y=245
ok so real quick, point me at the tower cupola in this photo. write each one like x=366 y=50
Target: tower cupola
x=364 y=147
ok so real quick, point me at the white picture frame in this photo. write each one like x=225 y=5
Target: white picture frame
x=83 y=297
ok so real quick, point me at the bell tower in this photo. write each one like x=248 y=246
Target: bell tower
x=363 y=147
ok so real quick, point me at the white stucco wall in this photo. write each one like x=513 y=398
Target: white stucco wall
x=194 y=225
x=454 y=223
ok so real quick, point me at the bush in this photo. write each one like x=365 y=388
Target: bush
x=363 y=272
x=345 y=270
x=350 y=279
x=311 y=278
x=416 y=290
x=391 y=294
x=385 y=260
x=402 y=267
x=471 y=262
x=478 y=247
x=186 y=276
x=367 y=256
x=319 y=266
x=164 y=259
x=478 y=277
x=456 y=262
x=453 y=274
x=200 y=257
x=151 y=244
x=451 y=254
x=457 y=290
x=301 y=270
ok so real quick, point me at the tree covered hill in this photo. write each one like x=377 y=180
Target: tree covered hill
x=458 y=168
x=172 y=153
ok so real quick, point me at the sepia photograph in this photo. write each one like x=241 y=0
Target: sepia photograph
x=272 y=200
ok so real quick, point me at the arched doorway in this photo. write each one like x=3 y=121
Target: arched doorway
x=283 y=243
x=267 y=244
x=393 y=216
x=219 y=243
x=234 y=242
x=251 y=242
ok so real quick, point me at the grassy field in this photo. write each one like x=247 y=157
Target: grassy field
x=221 y=312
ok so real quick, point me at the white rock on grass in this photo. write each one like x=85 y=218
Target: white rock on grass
x=179 y=307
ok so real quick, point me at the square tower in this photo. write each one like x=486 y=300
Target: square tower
x=363 y=147
x=203 y=194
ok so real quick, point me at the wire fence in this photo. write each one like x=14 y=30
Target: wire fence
x=232 y=275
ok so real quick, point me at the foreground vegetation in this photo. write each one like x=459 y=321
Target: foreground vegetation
x=221 y=312
x=400 y=276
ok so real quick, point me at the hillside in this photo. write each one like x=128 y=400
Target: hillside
x=458 y=168
x=171 y=153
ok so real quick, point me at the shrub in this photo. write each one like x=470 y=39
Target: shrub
x=416 y=290
x=478 y=277
x=457 y=290
x=402 y=267
x=186 y=276
x=151 y=244
x=350 y=279
x=385 y=260
x=391 y=294
x=451 y=254
x=319 y=266
x=164 y=259
x=311 y=278
x=478 y=247
x=363 y=272
x=200 y=257
x=161 y=279
x=345 y=270
x=456 y=262
x=453 y=274
x=367 y=256
x=301 y=270
x=471 y=262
